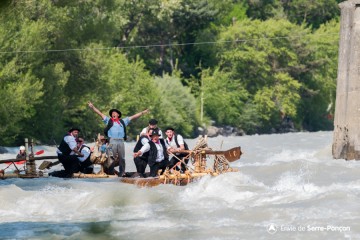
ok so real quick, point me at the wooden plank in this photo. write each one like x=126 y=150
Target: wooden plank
x=33 y=158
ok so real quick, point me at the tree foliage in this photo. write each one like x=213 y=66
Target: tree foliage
x=252 y=61
x=258 y=56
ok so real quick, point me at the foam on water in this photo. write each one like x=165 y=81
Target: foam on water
x=286 y=180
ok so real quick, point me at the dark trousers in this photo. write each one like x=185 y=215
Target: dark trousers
x=85 y=167
x=174 y=160
x=71 y=164
x=157 y=166
x=140 y=164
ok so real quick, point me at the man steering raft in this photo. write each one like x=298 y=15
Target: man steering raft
x=116 y=131
x=68 y=152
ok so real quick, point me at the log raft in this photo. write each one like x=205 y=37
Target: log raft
x=198 y=156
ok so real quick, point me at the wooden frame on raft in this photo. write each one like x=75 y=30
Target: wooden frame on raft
x=198 y=156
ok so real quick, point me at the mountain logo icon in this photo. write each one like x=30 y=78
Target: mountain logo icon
x=271 y=228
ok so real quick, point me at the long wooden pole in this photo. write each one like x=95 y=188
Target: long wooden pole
x=34 y=158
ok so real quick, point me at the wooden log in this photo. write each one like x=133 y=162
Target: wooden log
x=93 y=175
x=32 y=158
x=186 y=176
x=172 y=178
x=142 y=182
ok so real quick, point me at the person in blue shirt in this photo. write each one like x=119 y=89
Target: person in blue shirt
x=115 y=130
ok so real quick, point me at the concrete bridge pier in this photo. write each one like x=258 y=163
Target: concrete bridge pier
x=346 y=137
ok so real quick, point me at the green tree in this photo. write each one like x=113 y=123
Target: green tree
x=178 y=107
x=318 y=98
x=166 y=26
x=264 y=58
x=312 y=13
x=112 y=82
x=224 y=98
x=20 y=91
x=264 y=9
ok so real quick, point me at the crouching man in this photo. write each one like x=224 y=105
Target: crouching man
x=86 y=166
x=158 y=157
x=68 y=152
x=142 y=161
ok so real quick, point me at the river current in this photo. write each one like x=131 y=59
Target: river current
x=288 y=187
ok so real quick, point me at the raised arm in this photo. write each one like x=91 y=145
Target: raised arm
x=139 y=114
x=96 y=110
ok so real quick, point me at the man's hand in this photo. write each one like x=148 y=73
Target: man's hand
x=90 y=104
x=137 y=154
x=173 y=150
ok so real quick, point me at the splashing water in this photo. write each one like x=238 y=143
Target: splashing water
x=288 y=187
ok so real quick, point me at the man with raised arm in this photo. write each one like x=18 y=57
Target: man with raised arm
x=115 y=130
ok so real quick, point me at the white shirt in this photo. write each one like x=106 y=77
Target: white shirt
x=86 y=152
x=71 y=141
x=144 y=131
x=144 y=140
x=160 y=151
x=172 y=143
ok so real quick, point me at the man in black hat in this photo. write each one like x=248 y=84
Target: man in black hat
x=115 y=130
x=158 y=157
x=142 y=161
x=152 y=124
x=68 y=152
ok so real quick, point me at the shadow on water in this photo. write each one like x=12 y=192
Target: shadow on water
x=46 y=230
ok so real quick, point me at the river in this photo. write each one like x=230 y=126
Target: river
x=288 y=187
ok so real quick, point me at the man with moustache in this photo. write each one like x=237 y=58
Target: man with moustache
x=68 y=152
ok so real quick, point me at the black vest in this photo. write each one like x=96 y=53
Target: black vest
x=84 y=146
x=153 y=152
x=111 y=123
x=64 y=147
x=139 y=145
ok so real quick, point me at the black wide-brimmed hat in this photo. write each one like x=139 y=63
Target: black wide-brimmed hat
x=114 y=110
x=153 y=121
x=169 y=128
x=155 y=132
x=73 y=129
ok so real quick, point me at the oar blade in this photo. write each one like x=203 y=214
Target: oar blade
x=39 y=152
x=233 y=154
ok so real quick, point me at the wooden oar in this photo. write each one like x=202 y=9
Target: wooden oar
x=231 y=155
x=32 y=158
